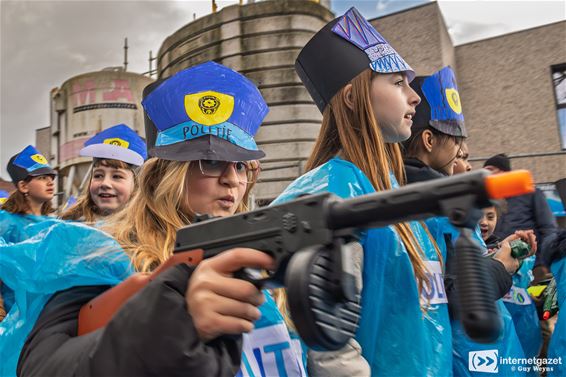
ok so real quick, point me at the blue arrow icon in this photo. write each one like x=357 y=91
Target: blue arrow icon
x=489 y=361
x=482 y=360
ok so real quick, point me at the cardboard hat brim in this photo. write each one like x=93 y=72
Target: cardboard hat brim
x=112 y=152
x=17 y=173
x=42 y=171
x=205 y=148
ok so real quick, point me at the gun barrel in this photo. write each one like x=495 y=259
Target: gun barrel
x=425 y=199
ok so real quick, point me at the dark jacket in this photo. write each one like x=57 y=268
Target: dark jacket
x=151 y=335
x=530 y=211
x=556 y=248
x=417 y=171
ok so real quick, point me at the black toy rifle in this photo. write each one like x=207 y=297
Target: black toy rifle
x=309 y=239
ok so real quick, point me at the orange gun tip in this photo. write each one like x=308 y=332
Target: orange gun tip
x=506 y=185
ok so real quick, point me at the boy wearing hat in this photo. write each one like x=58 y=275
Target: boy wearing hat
x=437 y=134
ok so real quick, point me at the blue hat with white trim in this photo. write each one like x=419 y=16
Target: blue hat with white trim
x=206 y=112
x=29 y=162
x=119 y=142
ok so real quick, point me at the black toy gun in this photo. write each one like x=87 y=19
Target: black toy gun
x=310 y=237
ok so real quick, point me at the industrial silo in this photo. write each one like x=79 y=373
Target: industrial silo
x=262 y=41
x=83 y=106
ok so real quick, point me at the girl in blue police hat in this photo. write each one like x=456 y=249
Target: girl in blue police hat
x=203 y=161
x=361 y=86
x=35 y=187
x=117 y=154
x=431 y=152
x=34 y=181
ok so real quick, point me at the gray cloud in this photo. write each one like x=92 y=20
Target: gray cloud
x=44 y=43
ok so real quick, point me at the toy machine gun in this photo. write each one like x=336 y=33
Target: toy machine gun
x=311 y=240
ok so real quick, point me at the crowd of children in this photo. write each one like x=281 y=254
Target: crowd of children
x=382 y=128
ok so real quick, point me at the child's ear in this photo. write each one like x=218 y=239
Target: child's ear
x=23 y=187
x=347 y=96
x=428 y=140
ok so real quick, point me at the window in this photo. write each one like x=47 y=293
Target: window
x=559 y=84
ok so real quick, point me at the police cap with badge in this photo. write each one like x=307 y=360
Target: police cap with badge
x=28 y=163
x=119 y=142
x=340 y=51
x=440 y=106
x=206 y=112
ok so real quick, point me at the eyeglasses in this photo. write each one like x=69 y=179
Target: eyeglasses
x=247 y=171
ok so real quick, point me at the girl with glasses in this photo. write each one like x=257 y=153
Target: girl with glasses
x=188 y=321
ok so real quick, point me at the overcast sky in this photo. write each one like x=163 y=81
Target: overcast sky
x=43 y=43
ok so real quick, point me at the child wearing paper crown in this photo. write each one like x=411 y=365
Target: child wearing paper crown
x=203 y=161
x=431 y=152
x=34 y=181
x=361 y=86
x=117 y=154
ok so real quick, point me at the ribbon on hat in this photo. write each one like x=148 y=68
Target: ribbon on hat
x=192 y=130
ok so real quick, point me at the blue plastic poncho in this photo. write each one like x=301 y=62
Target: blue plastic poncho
x=56 y=256
x=397 y=338
x=523 y=309
x=557 y=345
x=14 y=227
x=48 y=255
x=508 y=344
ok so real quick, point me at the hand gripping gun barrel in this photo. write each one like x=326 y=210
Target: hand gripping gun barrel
x=309 y=239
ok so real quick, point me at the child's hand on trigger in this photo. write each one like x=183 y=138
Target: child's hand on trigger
x=220 y=304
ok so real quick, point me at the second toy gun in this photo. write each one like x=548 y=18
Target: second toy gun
x=545 y=291
x=311 y=240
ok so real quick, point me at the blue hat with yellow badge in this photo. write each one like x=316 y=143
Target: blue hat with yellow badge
x=28 y=163
x=119 y=142
x=4 y=196
x=440 y=106
x=206 y=112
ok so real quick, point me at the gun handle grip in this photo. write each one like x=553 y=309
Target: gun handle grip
x=478 y=312
x=100 y=310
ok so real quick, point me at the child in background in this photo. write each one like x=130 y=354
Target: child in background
x=517 y=301
x=34 y=181
x=117 y=154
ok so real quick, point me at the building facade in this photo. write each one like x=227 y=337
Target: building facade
x=512 y=97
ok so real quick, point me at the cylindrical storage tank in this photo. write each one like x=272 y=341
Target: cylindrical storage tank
x=260 y=40
x=85 y=105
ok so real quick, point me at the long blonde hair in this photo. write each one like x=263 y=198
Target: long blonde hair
x=147 y=227
x=85 y=209
x=356 y=136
